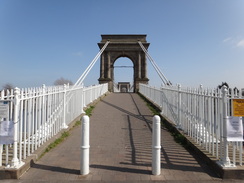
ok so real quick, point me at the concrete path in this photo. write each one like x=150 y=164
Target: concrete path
x=120 y=140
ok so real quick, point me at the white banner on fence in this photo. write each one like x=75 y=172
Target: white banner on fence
x=234 y=129
x=6 y=132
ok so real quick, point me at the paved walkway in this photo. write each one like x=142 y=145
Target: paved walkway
x=120 y=139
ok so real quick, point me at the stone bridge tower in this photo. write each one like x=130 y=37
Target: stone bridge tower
x=123 y=46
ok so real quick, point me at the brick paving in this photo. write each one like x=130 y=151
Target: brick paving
x=120 y=140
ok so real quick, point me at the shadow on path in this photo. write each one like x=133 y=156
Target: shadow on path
x=55 y=169
x=121 y=169
x=173 y=155
x=136 y=153
x=140 y=117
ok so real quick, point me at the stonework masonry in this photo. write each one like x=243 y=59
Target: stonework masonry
x=123 y=46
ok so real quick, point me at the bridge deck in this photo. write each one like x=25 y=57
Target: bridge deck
x=120 y=149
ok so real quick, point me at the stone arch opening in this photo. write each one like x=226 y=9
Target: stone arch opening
x=123 y=74
x=123 y=46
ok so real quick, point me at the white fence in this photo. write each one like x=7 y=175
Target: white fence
x=40 y=113
x=201 y=114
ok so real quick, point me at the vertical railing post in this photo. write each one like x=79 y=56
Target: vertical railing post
x=82 y=101
x=84 y=97
x=64 y=126
x=225 y=160
x=1 y=119
x=15 y=160
x=43 y=133
x=90 y=94
x=179 y=107
x=85 y=146
x=161 y=100
x=156 y=146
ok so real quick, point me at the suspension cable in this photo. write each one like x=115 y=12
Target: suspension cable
x=159 y=72
x=83 y=76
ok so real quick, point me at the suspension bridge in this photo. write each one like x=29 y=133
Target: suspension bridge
x=121 y=125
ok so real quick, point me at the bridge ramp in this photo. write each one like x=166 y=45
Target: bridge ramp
x=120 y=140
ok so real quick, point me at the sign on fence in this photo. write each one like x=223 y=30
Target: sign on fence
x=238 y=107
x=234 y=129
x=6 y=132
x=6 y=127
x=4 y=109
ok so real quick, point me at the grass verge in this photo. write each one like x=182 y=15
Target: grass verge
x=88 y=111
x=64 y=135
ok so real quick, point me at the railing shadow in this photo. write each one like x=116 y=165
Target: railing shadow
x=138 y=116
x=173 y=155
x=136 y=148
x=148 y=122
x=176 y=157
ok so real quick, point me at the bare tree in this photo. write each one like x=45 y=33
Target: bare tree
x=62 y=81
x=8 y=86
x=223 y=84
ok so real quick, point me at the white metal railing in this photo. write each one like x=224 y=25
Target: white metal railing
x=40 y=113
x=116 y=89
x=201 y=114
x=131 y=88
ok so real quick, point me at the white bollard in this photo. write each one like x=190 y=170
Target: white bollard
x=156 y=146
x=85 y=146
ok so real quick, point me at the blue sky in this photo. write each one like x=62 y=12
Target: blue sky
x=193 y=41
